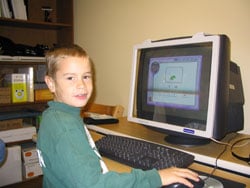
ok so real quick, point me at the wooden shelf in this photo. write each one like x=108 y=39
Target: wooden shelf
x=35 y=30
x=33 y=24
x=60 y=30
x=36 y=182
x=13 y=63
x=37 y=105
x=24 y=104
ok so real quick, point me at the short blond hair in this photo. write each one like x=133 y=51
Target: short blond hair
x=55 y=55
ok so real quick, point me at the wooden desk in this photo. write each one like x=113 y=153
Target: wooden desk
x=211 y=150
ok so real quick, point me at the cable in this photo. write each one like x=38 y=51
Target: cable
x=246 y=159
x=226 y=144
x=216 y=161
x=233 y=145
x=222 y=143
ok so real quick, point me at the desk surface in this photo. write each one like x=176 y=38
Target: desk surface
x=205 y=154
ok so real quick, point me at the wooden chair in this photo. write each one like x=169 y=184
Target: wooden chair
x=115 y=111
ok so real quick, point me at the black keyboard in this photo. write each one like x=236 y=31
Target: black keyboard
x=142 y=154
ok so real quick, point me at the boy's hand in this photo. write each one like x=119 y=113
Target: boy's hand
x=177 y=175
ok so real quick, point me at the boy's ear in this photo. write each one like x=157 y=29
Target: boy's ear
x=50 y=83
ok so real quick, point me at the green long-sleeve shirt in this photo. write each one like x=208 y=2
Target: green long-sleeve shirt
x=71 y=162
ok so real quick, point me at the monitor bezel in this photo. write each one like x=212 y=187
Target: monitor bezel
x=213 y=85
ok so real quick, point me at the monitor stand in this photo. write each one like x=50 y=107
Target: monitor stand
x=185 y=140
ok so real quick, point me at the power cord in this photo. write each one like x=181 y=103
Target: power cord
x=246 y=159
x=226 y=144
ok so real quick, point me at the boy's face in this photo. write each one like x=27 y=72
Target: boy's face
x=73 y=82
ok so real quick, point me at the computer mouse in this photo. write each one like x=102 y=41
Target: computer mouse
x=199 y=184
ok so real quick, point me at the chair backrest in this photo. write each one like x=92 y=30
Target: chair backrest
x=115 y=111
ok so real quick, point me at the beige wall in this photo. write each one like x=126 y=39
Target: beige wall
x=108 y=29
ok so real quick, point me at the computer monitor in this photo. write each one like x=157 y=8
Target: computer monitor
x=187 y=88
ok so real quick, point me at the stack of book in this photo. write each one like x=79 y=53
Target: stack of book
x=13 y=9
x=13 y=128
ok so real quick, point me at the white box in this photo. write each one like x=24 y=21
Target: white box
x=31 y=170
x=15 y=135
x=29 y=155
x=11 y=169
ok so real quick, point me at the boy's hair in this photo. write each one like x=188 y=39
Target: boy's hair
x=55 y=55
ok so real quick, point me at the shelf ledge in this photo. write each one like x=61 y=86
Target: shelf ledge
x=33 y=24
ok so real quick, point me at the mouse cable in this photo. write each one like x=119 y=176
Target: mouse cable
x=237 y=144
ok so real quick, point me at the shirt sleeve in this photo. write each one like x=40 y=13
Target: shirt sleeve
x=72 y=162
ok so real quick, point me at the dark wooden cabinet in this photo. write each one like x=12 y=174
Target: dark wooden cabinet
x=33 y=31
x=36 y=182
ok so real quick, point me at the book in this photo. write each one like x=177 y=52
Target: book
x=18 y=84
x=29 y=71
x=40 y=73
x=40 y=85
x=20 y=134
x=5 y=95
x=23 y=10
x=19 y=9
x=11 y=124
x=13 y=8
x=1 y=8
x=10 y=8
x=5 y=9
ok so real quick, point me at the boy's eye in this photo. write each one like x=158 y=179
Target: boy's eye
x=87 y=77
x=70 y=78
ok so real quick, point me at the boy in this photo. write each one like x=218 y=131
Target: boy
x=66 y=150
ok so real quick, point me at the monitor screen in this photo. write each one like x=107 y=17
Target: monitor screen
x=181 y=86
x=174 y=81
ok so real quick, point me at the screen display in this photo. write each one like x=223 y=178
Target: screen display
x=174 y=81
